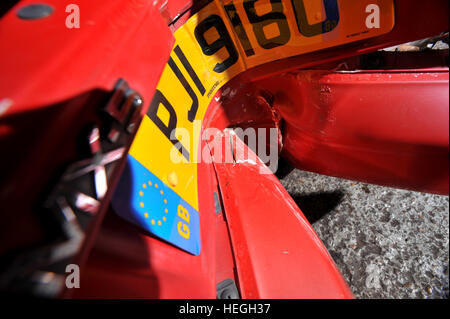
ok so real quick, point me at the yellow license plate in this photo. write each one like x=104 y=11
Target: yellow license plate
x=222 y=40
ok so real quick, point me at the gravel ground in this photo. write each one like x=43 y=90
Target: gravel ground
x=388 y=243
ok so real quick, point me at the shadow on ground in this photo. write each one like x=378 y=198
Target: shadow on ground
x=316 y=205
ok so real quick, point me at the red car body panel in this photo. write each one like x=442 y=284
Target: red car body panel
x=382 y=127
x=271 y=235
x=357 y=132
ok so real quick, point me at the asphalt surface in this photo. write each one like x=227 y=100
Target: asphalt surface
x=388 y=243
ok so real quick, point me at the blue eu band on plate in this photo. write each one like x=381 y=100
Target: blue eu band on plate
x=148 y=203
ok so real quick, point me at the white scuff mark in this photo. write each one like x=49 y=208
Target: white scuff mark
x=162 y=5
x=349 y=71
x=249 y=161
x=5 y=104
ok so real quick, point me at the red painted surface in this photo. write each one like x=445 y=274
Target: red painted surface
x=278 y=254
x=382 y=127
x=55 y=77
x=113 y=41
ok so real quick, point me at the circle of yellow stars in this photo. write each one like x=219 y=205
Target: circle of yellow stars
x=141 y=203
